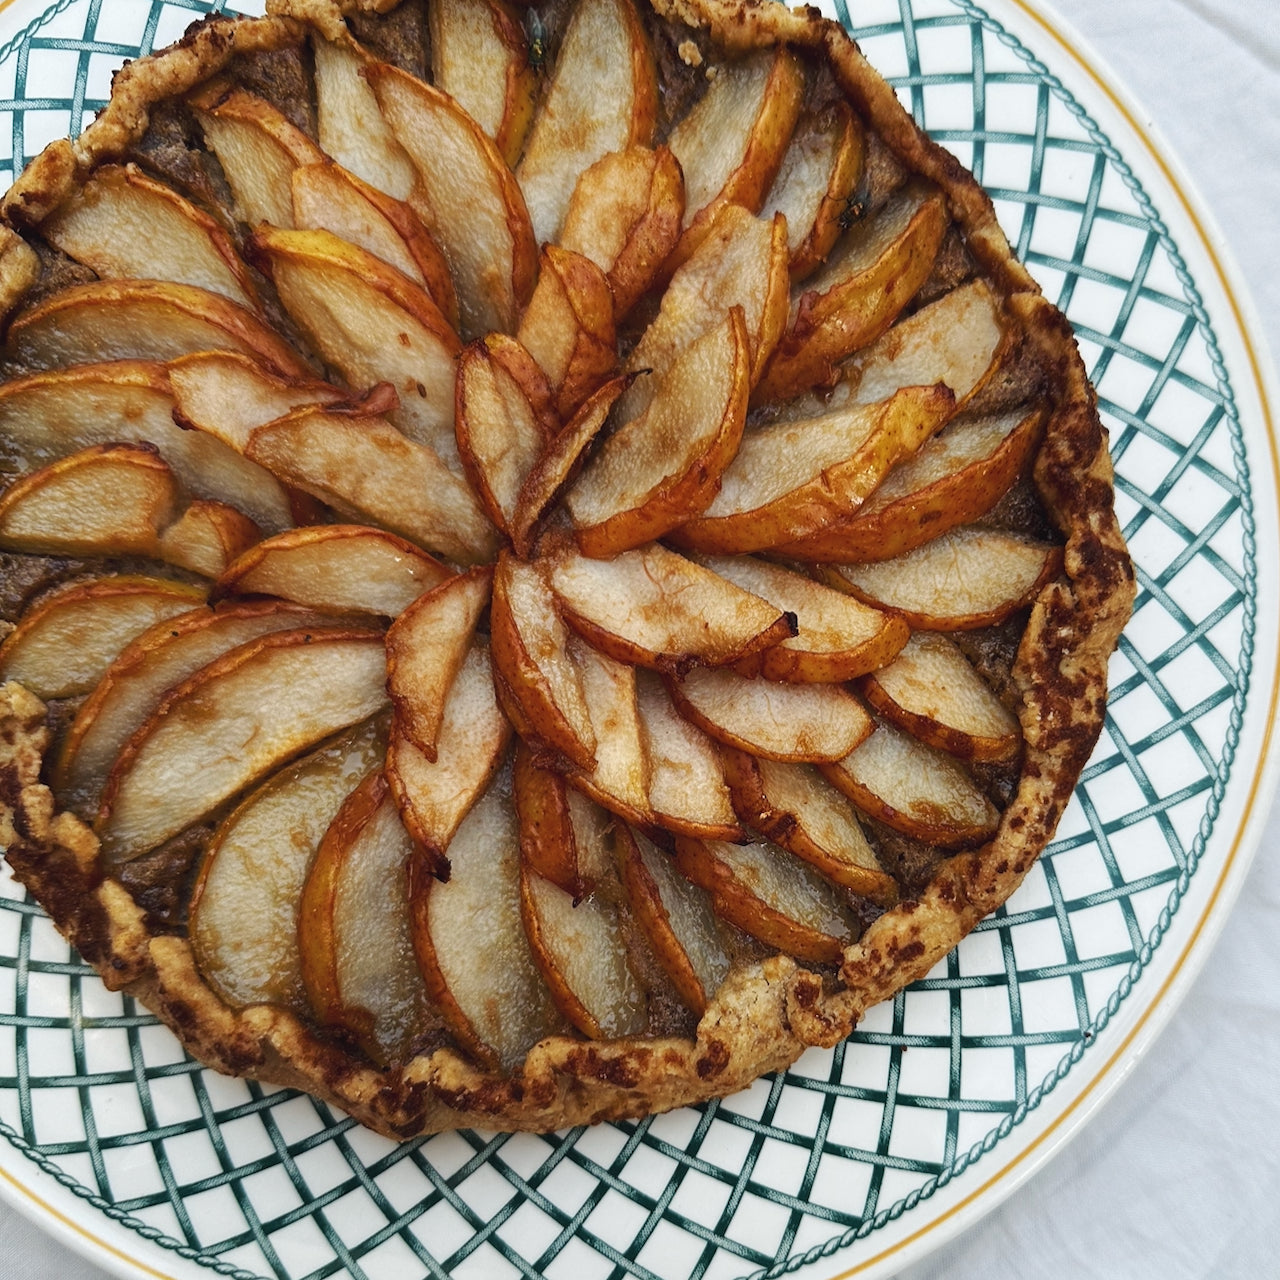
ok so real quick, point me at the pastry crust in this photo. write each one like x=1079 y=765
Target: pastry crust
x=766 y=1014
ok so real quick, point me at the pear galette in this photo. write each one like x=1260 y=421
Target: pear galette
x=550 y=557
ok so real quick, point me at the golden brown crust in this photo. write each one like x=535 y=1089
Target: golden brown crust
x=765 y=1014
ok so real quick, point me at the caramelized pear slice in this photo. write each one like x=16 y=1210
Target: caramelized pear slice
x=797 y=808
x=965 y=579
x=367 y=471
x=471 y=944
x=64 y=643
x=676 y=918
x=141 y=320
x=661 y=468
x=603 y=97
x=915 y=789
x=243 y=920
x=354 y=935
x=548 y=844
x=233 y=721
x=654 y=608
x=125 y=225
x=468 y=198
x=207 y=537
x=833 y=642
x=779 y=721
x=771 y=895
x=338 y=567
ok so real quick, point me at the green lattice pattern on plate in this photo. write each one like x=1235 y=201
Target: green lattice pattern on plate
x=97 y=1093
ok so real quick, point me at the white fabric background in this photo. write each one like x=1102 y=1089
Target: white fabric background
x=1178 y=1178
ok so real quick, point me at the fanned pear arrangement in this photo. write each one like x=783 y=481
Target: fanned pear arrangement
x=551 y=557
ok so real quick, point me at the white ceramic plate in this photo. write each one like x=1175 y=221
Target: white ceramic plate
x=857 y=1160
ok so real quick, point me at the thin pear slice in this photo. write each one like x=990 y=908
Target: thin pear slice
x=568 y=328
x=965 y=579
x=603 y=97
x=125 y=225
x=792 y=479
x=372 y=323
x=335 y=566
x=676 y=918
x=815 y=183
x=110 y=499
x=731 y=144
x=207 y=537
x=63 y=644
x=500 y=433
x=435 y=796
x=351 y=125
x=931 y=691
x=954 y=479
x=243 y=922
x=233 y=721
x=480 y=56
x=801 y=722
x=832 y=643
x=46 y=416
x=471 y=944
x=797 y=808
x=426 y=647
x=859 y=292
x=663 y=467
x=771 y=895
x=370 y=473
x=548 y=844
x=915 y=789
x=687 y=788
x=141 y=320
x=159 y=659
x=355 y=940
x=654 y=608
x=625 y=215
x=531 y=657
x=468 y=198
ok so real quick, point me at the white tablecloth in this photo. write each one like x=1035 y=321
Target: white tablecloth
x=1178 y=1178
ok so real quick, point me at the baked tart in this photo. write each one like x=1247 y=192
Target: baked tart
x=551 y=558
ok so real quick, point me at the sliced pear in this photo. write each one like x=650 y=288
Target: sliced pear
x=471 y=945
x=953 y=479
x=335 y=566
x=161 y=658
x=603 y=97
x=654 y=608
x=803 y=722
x=797 y=808
x=731 y=144
x=548 y=844
x=625 y=214
x=792 y=479
x=915 y=789
x=771 y=895
x=676 y=918
x=468 y=198
x=125 y=225
x=965 y=579
x=63 y=644
x=354 y=935
x=233 y=721
x=372 y=323
x=859 y=292
x=207 y=537
x=243 y=922
x=663 y=467
x=47 y=416
x=479 y=55
x=832 y=642
x=141 y=320
x=111 y=499
x=370 y=473
x=435 y=796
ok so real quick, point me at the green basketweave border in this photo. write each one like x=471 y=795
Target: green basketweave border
x=1236 y=679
